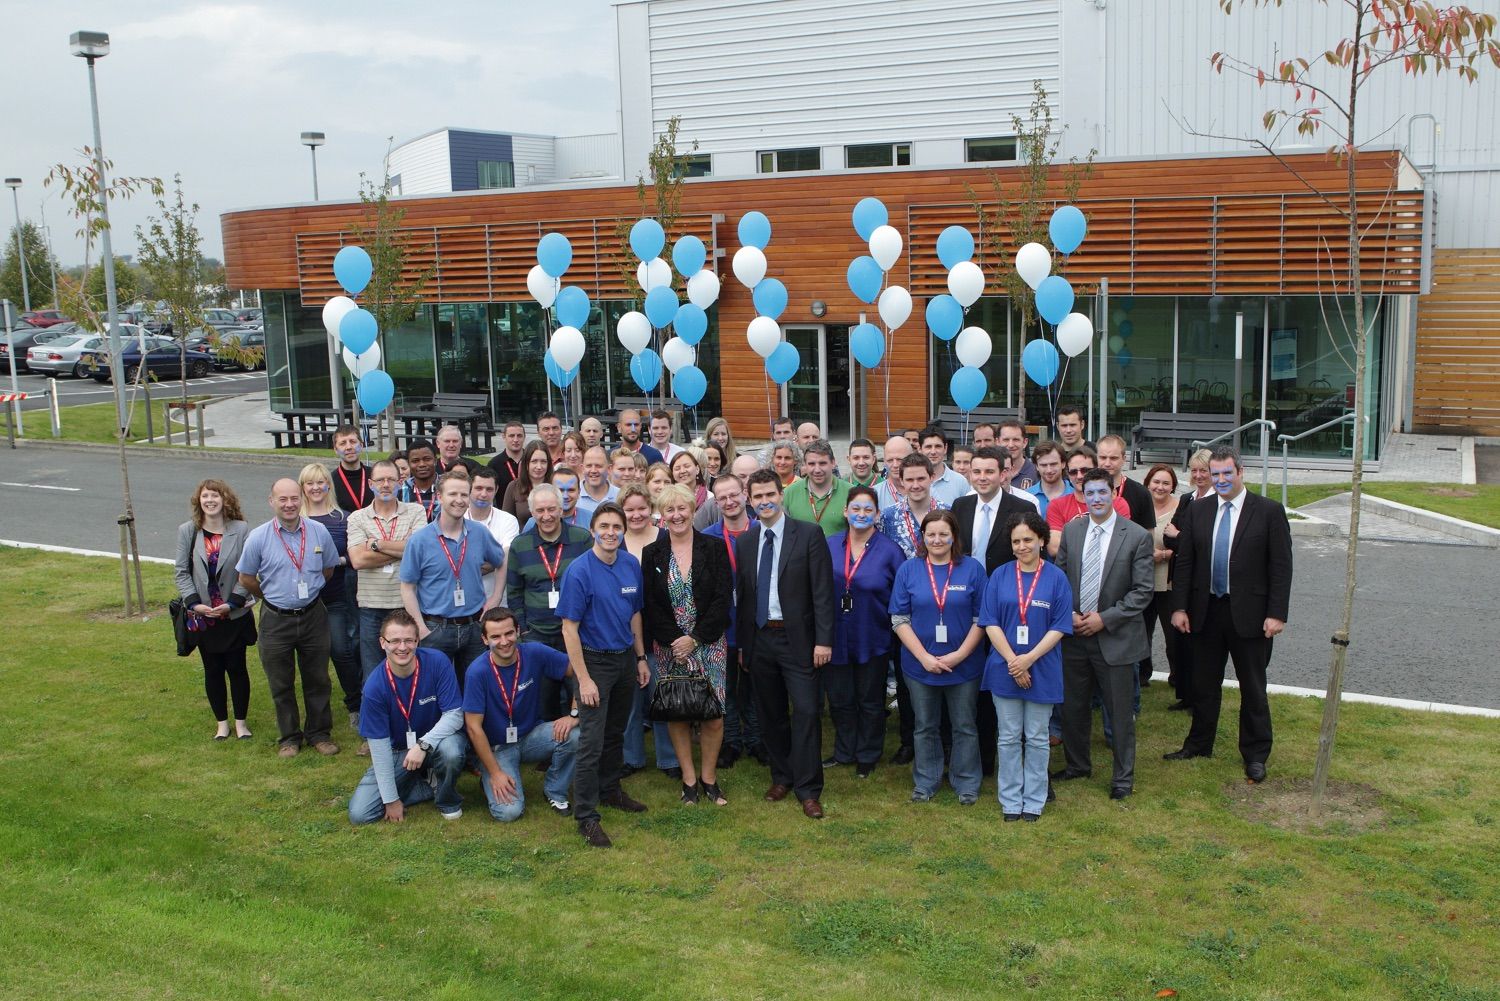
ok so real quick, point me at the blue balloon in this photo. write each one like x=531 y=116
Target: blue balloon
x=770 y=298
x=865 y=278
x=647 y=239
x=968 y=387
x=572 y=305
x=691 y=323
x=554 y=253
x=661 y=306
x=645 y=369
x=1067 y=229
x=783 y=363
x=357 y=330
x=869 y=215
x=1124 y=357
x=688 y=254
x=868 y=344
x=1054 y=299
x=1040 y=360
x=954 y=246
x=352 y=267
x=689 y=385
x=560 y=379
x=944 y=316
x=755 y=230
x=375 y=391
x=1126 y=329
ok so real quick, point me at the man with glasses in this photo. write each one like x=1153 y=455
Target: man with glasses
x=377 y=539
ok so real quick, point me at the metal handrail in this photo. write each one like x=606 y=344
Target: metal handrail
x=1287 y=439
x=1265 y=446
x=1230 y=434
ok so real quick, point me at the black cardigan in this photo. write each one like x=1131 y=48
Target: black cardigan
x=711 y=584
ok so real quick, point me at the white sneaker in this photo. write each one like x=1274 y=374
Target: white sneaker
x=454 y=815
x=561 y=807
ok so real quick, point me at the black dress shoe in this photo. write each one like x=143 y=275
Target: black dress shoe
x=1031 y=818
x=1255 y=771
x=1119 y=792
x=832 y=762
x=1011 y=818
x=1184 y=755
x=1069 y=774
x=904 y=756
x=1179 y=707
x=863 y=771
x=672 y=773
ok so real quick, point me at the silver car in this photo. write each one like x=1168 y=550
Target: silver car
x=61 y=357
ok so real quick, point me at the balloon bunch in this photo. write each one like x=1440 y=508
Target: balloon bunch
x=945 y=317
x=867 y=280
x=770 y=297
x=1074 y=332
x=689 y=320
x=570 y=308
x=354 y=330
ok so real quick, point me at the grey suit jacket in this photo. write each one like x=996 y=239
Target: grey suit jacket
x=1126 y=589
x=192 y=564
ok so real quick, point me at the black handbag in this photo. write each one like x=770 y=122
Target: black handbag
x=684 y=698
x=187 y=639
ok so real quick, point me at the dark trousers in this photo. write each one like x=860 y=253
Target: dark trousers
x=856 y=701
x=906 y=719
x=217 y=667
x=794 y=744
x=556 y=697
x=289 y=644
x=741 y=725
x=462 y=642
x=989 y=732
x=602 y=731
x=1150 y=616
x=1214 y=642
x=1085 y=671
x=1179 y=650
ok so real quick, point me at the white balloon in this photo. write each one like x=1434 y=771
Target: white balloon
x=568 y=347
x=333 y=313
x=1033 y=263
x=654 y=273
x=676 y=353
x=1074 y=334
x=542 y=286
x=703 y=289
x=763 y=334
x=966 y=283
x=634 y=331
x=885 y=246
x=972 y=346
x=1116 y=342
x=749 y=266
x=360 y=364
x=894 y=306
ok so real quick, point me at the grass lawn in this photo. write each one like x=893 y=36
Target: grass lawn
x=1477 y=503
x=144 y=860
x=95 y=422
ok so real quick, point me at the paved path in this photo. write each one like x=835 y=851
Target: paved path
x=72 y=391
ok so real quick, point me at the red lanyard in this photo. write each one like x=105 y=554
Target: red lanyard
x=359 y=498
x=427 y=504
x=514 y=468
x=301 y=545
x=462 y=550
x=812 y=502
x=940 y=598
x=1025 y=602
x=515 y=685
x=411 y=701
x=551 y=568
x=851 y=570
x=729 y=541
x=911 y=525
x=384 y=535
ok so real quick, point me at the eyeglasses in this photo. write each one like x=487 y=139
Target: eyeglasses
x=400 y=642
x=1073 y=474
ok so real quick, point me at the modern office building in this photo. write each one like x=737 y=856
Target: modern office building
x=802 y=107
x=447 y=160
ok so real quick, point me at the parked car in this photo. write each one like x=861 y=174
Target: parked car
x=253 y=316
x=44 y=317
x=62 y=356
x=222 y=319
x=232 y=342
x=25 y=338
x=163 y=360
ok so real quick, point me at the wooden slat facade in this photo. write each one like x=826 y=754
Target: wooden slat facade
x=1233 y=225
x=1458 y=346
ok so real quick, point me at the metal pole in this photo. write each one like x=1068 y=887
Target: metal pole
x=1103 y=328
x=15 y=198
x=53 y=408
x=1284 y=444
x=51 y=260
x=314 y=151
x=112 y=305
x=1265 y=433
x=10 y=343
x=1239 y=354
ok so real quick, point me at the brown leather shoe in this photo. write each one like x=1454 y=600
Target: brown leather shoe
x=326 y=747
x=364 y=749
x=594 y=834
x=622 y=801
x=288 y=750
x=777 y=793
x=812 y=809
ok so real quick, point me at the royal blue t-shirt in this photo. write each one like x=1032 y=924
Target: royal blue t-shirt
x=864 y=633
x=1051 y=608
x=602 y=598
x=437 y=693
x=425 y=565
x=482 y=692
x=912 y=594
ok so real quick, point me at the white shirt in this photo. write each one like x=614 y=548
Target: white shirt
x=950 y=486
x=504 y=528
x=980 y=507
x=1231 y=509
x=775 y=531
x=1106 y=531
x=669 y=451
x=1025 y=495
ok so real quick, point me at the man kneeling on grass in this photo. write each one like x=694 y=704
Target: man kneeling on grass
x=503 y=713
x=410 y=707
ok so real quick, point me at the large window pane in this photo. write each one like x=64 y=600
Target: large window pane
x=462 y=354
x=1141 y=331
x=278 y=367
x=408 y=358
x=1311 y=375
x=307 y=342
x=517 y=347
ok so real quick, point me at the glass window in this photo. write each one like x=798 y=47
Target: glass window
x=496 y=174
x=698 y=165
x=878 y=155
x=1205 y=354
x=781 y=161
x=1141 y=333
x=990 y=150
x=407 y=350
x=1311 y=371
x=462 y=349
x=307 y=349
x=278 y=375
x=517 y=348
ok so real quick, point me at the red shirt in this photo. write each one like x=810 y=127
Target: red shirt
x=1067 y=507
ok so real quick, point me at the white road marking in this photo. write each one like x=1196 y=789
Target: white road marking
x=14 y=544
x=39 y=486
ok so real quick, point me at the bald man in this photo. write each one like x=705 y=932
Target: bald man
x=888 y=490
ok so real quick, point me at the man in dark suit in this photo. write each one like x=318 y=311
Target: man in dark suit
x=785 y=630
x=1108 y=560
x=1231 y=590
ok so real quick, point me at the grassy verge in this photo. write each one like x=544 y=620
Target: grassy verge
x=149 y=861
x=1479 y=503
x=95 y=422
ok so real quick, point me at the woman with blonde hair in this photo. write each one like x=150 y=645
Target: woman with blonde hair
x=338 y=594
x=718 y=433
x=658 y=475
x=640 y=533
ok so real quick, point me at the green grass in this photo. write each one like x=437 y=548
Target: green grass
x=142 y=860
x=95 y=422
x=1477 y=503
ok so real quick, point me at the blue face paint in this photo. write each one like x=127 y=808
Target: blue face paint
x=861 y=519
x=1223 y=487
x=767 y=509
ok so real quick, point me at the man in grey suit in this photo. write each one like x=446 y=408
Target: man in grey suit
x=1108 y=560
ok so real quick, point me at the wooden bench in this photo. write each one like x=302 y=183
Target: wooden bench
x=477 y=402
x=952 y=420
x=1177 y=431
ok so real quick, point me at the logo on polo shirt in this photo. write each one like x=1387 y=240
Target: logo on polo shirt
x=958 y=587
x=1039 y=603
x=430 y=698
x=628 y=589
x=524 y=685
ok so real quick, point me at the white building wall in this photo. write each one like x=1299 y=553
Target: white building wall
x=535 y=159
x=588 y=156
x=423 y=165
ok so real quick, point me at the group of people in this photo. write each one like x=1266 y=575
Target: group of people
x=552 y=605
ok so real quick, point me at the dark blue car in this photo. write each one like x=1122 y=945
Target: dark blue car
x=163 y=361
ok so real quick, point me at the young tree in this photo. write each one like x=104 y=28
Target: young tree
x=39 y=266
x=660 y=197
x=170 y=249
x=1321 y=93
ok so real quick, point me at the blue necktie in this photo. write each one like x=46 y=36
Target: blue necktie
x=763 y=580
x=1219 y=585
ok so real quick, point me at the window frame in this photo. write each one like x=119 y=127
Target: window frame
x=775 y=160
x=894 y=148
x=1015 y=149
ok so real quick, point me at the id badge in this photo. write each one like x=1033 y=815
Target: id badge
x=1023 y=635
x=940 y=633
x=411 y=740
x=512 y=735
x=552 y=597
x=848 y=602
x=458 y=597
x=388 y=568
x=302 y=590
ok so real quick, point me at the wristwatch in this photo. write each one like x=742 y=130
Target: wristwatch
x=374 y=545
x=640 y=658
x=573 y=712
x=425 y=747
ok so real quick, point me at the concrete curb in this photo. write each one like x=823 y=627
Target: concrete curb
x=1467 y=473
x=1478 y=535
x=1311 y=526
x=193 y=453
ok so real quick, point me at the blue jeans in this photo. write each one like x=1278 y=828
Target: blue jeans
x=436 y=779
x=1022 y=754
x=927 y=703
x=370 y=654
x=343 y=646
x=635 y=730
x=462 y=643
x=536 y=745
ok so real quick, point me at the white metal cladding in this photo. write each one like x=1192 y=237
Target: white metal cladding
x=534 y=159
x=1465 y=209
x=588 y=156
x=752 y=74
x=423 y=165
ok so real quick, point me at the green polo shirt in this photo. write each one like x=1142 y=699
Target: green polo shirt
x=826 y=514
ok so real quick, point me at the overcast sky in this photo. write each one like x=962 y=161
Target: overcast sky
x=220 y=92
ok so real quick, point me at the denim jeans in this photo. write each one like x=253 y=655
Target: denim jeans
x=537 y=745
x=436 y=779
x=635 y=730
x=927 y=702
x=741 y=726
x=343 y=646
x=1022 y=754
x=370 y=654
x=462 y=643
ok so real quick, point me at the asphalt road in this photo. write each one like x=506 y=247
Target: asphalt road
x=1425 y=625
x=72 y=391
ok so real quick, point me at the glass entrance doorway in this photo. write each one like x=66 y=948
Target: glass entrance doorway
x=820 y=389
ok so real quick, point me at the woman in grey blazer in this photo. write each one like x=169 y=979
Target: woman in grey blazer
x=208 y=547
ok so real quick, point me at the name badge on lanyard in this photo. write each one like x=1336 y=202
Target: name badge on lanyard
x=1023 y=602
x=457 y=567
x=940 y=597
x=302 y=589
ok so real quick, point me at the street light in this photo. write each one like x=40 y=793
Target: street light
x=14 y=184
x=312 y=140
x=89 y=46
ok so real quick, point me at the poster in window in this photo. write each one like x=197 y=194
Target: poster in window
x=1284 y=354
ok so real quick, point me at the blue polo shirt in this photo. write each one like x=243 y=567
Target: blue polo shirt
x=424 y=564
x=1051 y=608
x=271 y=553
x=482 y=693
x=602 y=598
x=912 y=595
x=864 y=633
x=436 y=693
x=586 y=504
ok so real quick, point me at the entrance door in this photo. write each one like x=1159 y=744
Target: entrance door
x=820 y=389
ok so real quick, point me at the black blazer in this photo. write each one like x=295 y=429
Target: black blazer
x=1142 y=507
x=1260 y=564
x=804 y=582
x=998 y=552
x=711 y=585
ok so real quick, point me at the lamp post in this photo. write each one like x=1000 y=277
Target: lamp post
x=51 y=258
x=14 y=184
x=89 y=46
x=312 y=140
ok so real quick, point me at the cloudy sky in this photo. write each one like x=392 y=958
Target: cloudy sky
x=219 y=92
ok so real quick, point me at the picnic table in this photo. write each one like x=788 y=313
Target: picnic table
x=309 y=427
x=474 y=426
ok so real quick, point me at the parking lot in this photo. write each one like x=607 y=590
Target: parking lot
x=72 y=391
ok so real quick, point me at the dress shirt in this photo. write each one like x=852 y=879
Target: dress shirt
x=978 y=546
x=777 y=532
x=1232 y=509
x=1107 y=532
x=950 y=486
x=1025 y=495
